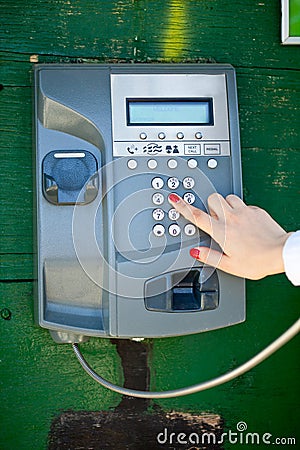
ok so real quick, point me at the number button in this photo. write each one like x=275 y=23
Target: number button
x=158 y=198
x=157 y=183
x=188 y=183
x=174 y=229
x=189 y=229
x=158 y=230
x=189 y=198
x=173 y=214
x=173 y=183
x=158 y=214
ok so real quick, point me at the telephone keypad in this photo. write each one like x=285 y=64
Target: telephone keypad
x=172 y=183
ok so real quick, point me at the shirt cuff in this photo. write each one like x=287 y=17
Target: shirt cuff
x=291 y=258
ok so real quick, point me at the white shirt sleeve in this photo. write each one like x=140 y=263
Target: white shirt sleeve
x=291 y=258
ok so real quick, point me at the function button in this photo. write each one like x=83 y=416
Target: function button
x=158 y=214
x=212 y=149
x=157 y=183
x=132 y=164
x=189 y=198
x=161 y=135
x=189 y=229
x=173 y=183
x=180 y=135
x=198 y=135
x=152 y=164
x=172 y=163
x=158 y=229
x=174 y=229
x=173 y=214
x=188 y=183
x=212 y=163
x=158 y=198
x=143 y=136
x=192 y=163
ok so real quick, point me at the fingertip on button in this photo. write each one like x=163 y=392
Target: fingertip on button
x=174 y=198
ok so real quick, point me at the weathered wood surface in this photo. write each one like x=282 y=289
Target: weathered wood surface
x=40 y=379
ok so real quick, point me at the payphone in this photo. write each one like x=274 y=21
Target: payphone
x=112 y=142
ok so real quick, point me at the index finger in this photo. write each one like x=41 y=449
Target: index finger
x=199 y=218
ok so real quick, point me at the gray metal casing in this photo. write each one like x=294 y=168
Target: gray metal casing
x=95 y=259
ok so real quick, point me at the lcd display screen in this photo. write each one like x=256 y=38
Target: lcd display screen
x=170 y=111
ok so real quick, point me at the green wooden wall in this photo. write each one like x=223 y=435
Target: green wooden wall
x=40 y=379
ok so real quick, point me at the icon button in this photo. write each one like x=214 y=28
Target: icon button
x=212 y=163
x=172 y=163
x=161 y=135
x=143 y=136
x=132 y=164
x=152 y=164
x=180 y=135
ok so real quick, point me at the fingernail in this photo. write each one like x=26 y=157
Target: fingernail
x=174 y=198
x=195 y=253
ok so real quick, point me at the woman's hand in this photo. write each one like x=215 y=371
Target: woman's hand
x=250 y=239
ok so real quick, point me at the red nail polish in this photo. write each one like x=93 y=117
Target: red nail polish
x=195 y=253
x=174 y=198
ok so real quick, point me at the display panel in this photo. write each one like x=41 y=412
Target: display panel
x=170 y=111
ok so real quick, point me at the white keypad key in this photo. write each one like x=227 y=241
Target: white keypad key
x=158 y=214
x=189 y=198
x=173 y=183
x=158 y=198
x=174 y=229
x=173 y=214
x=158 y=230
x=189 y=229
x=188 y=183
x=157 y=183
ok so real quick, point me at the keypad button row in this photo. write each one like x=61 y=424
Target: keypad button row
x=171 y=163
x=173 y=183
x=174 y=230
x=159 y=214
x=158 y=198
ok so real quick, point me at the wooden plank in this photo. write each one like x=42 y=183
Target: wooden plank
x=169 y=30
